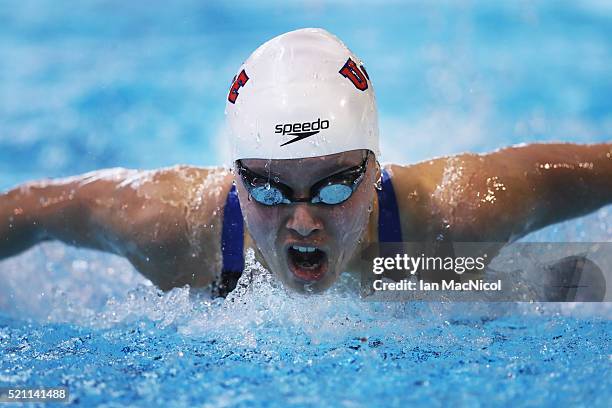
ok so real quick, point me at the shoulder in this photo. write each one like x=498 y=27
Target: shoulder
x=167 y=200
x=412 y=187
x=185 y=175
x=180 y=183
x=427 y=192
x=415 y=184
x=442 y=178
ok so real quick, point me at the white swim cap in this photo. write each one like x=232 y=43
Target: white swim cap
x=301 y=94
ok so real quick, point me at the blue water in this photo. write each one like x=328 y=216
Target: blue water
x=88 y=85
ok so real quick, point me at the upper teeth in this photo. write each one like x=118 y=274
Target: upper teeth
x=303 y=248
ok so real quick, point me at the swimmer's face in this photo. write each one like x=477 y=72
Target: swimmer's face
x=307 y=245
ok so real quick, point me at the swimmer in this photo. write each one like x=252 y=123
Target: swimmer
x=305 y=189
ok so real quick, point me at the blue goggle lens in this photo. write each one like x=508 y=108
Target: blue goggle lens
x=267 y=195
x=334 y=194
x=331 y=194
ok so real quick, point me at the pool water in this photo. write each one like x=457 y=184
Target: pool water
x=103 y=84
x=124 y=342
x=263 y=346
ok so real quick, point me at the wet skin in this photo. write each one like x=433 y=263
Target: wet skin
x=167 y=222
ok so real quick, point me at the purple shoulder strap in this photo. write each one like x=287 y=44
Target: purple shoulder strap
x=389 y=227
x=232 y=244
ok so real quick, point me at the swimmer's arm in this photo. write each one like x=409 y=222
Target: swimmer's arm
x=504 y=195
x=152 y=218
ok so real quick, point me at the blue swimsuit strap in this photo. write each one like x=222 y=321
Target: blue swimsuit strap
x=232 y=237
x=389 y=227
x=232 y=245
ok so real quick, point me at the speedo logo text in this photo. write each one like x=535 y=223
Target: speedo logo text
x=301 y=130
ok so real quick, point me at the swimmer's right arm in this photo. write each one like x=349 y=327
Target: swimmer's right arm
x=153 y=218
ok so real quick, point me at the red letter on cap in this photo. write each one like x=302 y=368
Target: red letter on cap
x=238 y=82
x=352 y=72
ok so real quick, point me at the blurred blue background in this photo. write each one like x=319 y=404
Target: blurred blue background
x=86 y=85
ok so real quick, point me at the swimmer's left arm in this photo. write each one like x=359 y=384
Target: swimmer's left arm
x=506 y=194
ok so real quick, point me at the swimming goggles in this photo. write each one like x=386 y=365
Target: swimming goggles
x=332 y=190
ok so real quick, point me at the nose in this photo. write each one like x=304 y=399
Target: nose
x=303 y=221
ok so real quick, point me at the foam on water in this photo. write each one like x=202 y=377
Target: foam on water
x=102 y=291
x=265 y=346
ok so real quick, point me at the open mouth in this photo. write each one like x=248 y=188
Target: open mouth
x=307 y=262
